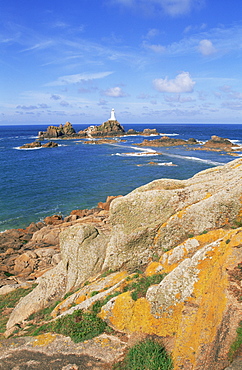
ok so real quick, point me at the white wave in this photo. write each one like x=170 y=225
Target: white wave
x=19 y=148
x=133 y=154
x=163 y=134
x=166 y=164
x=197 y=159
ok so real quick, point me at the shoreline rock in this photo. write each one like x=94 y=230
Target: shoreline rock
x=37 y=144
x=188 y=232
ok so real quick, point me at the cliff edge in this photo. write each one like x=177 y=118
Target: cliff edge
x=184 y=237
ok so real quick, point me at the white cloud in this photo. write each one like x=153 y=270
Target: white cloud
x=170 y=7
x=115 y=92
x=152 y=33
x=156 y=48
x=73 y=79
x=181 y=83
x=206 y=47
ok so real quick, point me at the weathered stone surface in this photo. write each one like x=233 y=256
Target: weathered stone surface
x=163 y=213
x=83 y=250
x=197 y=303
x=219 y=142
x=51 y=286
x=56 y=132
x=167 y=141
x=51 y=351
x=193 y=229
x=108 y=128
x=150 y=131
x=50 y=144
x=35 y=144
x=106 y=205
x=53 y=220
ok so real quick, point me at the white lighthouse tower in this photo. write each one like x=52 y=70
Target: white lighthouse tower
x=112 y=118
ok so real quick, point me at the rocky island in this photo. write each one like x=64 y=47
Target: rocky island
x=162 y=263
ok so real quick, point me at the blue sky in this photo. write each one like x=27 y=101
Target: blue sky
x=154 y=61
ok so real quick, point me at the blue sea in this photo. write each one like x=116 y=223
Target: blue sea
x=41 y=182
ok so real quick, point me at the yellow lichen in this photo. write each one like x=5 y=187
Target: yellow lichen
x=44 y=339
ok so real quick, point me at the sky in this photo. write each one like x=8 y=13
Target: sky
x=153 y=61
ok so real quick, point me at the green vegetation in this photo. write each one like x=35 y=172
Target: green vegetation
x=79 y=326
x=237 y=343
x=146 y=355
x=44 y=314
x=96 y=307
x=106 y=273
x=8 y=301
x=141 y=285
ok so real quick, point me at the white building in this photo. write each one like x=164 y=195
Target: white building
x=112 y=118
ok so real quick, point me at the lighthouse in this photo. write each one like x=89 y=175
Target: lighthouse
x=112 y=118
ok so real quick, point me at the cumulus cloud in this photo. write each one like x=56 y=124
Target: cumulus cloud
x=77 y=78
x=170 y=7
x=180 y=84
x=206 y=47
x=115 y=92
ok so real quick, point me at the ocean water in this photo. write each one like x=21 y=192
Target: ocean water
x=41 y=182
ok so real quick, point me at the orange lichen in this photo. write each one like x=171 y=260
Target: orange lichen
x=117 y=278
x=163 y=266
x=205 y=311
x=152 y=268
x=81 y=299
x=135 y=316
x=192 y=323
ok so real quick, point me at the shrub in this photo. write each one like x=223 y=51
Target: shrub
x=141 y=285
x=146 y=355
x=237 y=343
x=79 y=326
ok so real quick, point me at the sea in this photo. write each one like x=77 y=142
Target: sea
x=35 y=183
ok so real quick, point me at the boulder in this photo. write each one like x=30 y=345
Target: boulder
x=35 y=144
x=219 y=143
x=108 y=128
x=106 y=205
x=83 y=251
x=53 y=220
x=150 y=131
x=196 y=307
x=57 y=131
x=166 y=141
x=51 y=286
x=50 y=144
x=163 y=213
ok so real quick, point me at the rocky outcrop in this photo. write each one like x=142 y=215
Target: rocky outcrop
x=196 y=307
x=189 y=233
x=150 y=131
x=167 y=141
x=163 y=213
x=57 y=131
x=108 y=128
x=217 y=142
x=37 y=144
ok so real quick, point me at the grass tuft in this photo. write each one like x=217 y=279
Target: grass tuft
x=79 y=326
x=146 y=355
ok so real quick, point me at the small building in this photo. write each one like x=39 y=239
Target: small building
x=112 y=118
